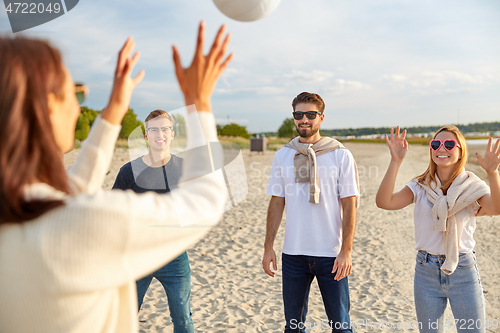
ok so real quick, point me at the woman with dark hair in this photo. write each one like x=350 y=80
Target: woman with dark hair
x=447 y=198
x=69 y=252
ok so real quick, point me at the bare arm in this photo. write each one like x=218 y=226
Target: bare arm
x=490 y=203
x=274 y=216
x=386 y=198
x=343 y=262
x=87 y=174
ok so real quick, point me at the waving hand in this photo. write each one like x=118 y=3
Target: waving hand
x=123 y=84
x=491 y=159
x=397 y=144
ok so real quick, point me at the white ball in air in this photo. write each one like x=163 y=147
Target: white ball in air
x=246 y=10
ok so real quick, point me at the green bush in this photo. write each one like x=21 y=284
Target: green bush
x=287 y=129
x=129 y=123
x=234 y=130
x=84 y=122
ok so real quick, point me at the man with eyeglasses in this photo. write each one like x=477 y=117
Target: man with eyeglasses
x=315 y=179
x=160 y=171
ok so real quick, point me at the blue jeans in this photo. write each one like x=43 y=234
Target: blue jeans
x=176 y=280
x=298 y=273
x=433 y=288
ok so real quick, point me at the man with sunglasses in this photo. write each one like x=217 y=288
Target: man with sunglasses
x=160 y=171
x=315 y=179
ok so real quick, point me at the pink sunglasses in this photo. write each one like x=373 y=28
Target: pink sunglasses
x=449 y=144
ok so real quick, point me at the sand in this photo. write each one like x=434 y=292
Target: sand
x=231 y=292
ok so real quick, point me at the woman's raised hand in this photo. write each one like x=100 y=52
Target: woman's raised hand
x=491 y=159
x=198 y=81
x=397 y=144
x=123 y=84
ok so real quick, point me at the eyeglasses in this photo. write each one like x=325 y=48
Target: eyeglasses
x=81 y=92
x=298 y=115
x=156 y=130
x=449 y=144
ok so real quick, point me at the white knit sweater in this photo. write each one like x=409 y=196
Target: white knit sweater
x=74 y=268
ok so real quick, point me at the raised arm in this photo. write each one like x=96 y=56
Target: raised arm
x=126 y=235
x=168 y=224
x=490 y=203
x=274 y=216
x=145 y=231
x=386 y=198
x=87 y=174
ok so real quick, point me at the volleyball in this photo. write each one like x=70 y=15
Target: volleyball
x=246 y=10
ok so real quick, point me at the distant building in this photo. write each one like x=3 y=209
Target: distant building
x=420 y=135
x=475 y=134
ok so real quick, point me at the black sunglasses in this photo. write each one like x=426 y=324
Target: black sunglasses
x=298 y=115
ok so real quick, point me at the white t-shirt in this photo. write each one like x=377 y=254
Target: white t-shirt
x=432 y=241
x=313 y=229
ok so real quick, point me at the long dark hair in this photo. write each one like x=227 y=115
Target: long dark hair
x=29 y=71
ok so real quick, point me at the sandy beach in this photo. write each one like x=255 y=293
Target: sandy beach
x=231 y=292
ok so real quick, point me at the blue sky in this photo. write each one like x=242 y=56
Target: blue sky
x=374 y=62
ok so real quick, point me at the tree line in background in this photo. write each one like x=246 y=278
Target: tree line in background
x=476 y=127
x=130 y=123
x=287 y=129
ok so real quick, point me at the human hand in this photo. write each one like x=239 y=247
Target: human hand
x=268 y=258
x=397 y=145
x=343 y=266
x=198 y=81
x=123 y=84
x=491 y=159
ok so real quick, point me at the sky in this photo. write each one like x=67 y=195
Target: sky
x=374 y=62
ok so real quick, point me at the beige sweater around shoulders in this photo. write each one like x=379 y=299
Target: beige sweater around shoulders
x=74 y=268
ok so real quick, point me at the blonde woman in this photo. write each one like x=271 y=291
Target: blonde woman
x=447 y=198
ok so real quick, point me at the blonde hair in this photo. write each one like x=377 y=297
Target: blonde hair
x=429 y=175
